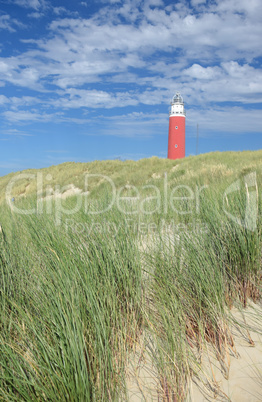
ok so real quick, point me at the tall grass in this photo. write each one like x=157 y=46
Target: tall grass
x=70 y=311
x=196 y=277
x=76 y=293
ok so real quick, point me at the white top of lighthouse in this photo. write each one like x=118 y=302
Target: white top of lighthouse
x=177 y=106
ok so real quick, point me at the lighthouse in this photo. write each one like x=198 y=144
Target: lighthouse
x=177 y=128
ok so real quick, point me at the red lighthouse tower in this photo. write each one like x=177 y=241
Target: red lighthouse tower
x=177 y=128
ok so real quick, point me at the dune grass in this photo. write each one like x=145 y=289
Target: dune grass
x=70 y=311
x=196 y=278
x=76 y=291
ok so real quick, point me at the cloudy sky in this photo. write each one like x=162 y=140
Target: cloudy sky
x=83 y=80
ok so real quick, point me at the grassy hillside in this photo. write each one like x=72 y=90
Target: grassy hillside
x=83 y=278
x=210 y=168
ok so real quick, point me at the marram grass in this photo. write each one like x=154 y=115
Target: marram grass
x=70 y=312
x=74 y=300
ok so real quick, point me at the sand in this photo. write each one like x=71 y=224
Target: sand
x=69 y=191
x=238 y=380
x=244 y=382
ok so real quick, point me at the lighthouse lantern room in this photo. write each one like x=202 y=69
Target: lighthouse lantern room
x=176 y=134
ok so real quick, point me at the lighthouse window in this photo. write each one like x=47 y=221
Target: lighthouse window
x=176 y=146
x=176 y=127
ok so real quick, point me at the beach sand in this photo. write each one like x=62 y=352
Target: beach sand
x=244 y=382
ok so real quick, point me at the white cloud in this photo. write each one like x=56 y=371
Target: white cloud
x=236 y=120
x=206 y=73
x=230 y=82
x=4 y=66
x=82 y=51
x=21 y=71
x=153 y=3
x=203 y=36
x=77 y=98
x=134 y=125
x=110 y=1
x=36 y=15
x=253 y=8
x=8 y=23
x=3 y=100
x=154 y=51
x=197 y=2
x=5 y=23
x=59 y=10
x=28 y=116
x=63 y=10
x=35 y=4
x=35 y=115
x=23 y=101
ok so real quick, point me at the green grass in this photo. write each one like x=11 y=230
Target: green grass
x=70 y=311
x=210 y=168
x=197 y=277
x=76 y=291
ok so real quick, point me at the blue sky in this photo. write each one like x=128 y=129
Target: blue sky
x=87 y=80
